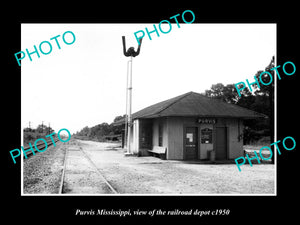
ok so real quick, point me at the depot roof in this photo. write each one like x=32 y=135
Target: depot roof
x=195 y=104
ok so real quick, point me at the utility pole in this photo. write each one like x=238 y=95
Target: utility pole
x=128 y=123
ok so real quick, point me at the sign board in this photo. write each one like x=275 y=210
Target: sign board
x=189 y=136
x=207 y=120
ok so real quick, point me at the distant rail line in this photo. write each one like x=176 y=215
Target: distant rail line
x=41 y=145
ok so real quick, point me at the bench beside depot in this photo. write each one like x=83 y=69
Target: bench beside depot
x=158 y=151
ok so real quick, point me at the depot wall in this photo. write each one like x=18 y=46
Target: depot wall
x=174 y=136
x=176 y=130
x=175 y=141
x=235 y=128
x=173 y=133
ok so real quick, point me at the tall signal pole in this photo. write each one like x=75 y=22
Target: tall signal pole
x=128 y=124
x=129 y=101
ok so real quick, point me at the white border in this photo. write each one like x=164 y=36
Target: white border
x=181 y=195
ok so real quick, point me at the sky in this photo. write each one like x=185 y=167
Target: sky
x=84 y=83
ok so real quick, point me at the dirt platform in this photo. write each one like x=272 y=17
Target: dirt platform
x=150 y=175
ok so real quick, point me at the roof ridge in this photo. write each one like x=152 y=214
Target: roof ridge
x=231 y=104
x=182 y=96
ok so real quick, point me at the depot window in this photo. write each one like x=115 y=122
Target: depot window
x=160 y=135
x=206 y=136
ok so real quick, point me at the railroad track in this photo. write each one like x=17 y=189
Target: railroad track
x=39 y=146
x=108 y=189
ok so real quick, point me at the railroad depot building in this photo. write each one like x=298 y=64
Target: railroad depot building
x=189 y=127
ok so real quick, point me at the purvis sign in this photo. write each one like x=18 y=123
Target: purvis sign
x=207 y=120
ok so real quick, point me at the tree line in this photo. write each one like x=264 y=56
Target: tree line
x=31 y=134
x=100 y=131
x=260 y=100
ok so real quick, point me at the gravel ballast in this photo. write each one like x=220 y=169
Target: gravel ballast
x=42 y=172
x=138 y=175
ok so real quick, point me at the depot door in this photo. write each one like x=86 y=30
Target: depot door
x=191 y=143
x=221 y=143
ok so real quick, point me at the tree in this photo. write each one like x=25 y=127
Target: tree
x=267 y=96
x=119 y=118
x=41 y=128
x=260 y=100
x=49 y=130
x=27 y=129
x=225 y=93
x=84 y=131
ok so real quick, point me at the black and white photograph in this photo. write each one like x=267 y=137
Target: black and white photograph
x=167 y=120
x=149 y=115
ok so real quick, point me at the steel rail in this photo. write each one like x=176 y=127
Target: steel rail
x=93 y=165
x=61 y=186
x=49 y=143
x=98 y=171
